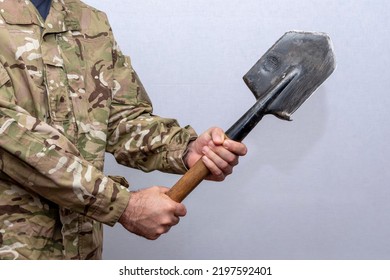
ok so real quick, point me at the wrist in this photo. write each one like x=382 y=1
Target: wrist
x=126 y=218
x=187 y=154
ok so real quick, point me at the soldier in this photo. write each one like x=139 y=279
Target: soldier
x=67 y=96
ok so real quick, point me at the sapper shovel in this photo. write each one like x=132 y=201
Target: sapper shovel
x=284 y=77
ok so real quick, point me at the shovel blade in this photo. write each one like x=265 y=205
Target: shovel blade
x=295 y=66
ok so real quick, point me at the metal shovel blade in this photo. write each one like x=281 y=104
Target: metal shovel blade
x=294 y=67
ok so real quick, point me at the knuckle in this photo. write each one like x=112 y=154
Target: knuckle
x=232 y=159
x=166 y=221
x=161 y=230
x=225 y=166
x=221 y=178
x=156 y=236
x=182 y=210
x=170 y=208
x=218 y=173
x=153 y=237
x=229 y=171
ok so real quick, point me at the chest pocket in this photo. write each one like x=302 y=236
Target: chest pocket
x=75 y=69
x=59 y=97
x=88 y=64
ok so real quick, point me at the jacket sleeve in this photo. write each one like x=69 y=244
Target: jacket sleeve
x=136 y=137
x=38 y=157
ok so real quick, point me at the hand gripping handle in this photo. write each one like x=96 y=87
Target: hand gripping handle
x=197 y=173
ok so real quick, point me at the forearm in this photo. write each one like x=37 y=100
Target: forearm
x=42 y=160
x=151 y=143
x=136 y=137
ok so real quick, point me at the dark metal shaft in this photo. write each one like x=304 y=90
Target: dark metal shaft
x=241 y=128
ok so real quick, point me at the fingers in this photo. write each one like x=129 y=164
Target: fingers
x=220 y=159
x=180 y=210
x=219 y=138
x=151 y=213
x=170 y=215
x=167 y=222
x=225 y=151
x=217 y=135
x=236 y=148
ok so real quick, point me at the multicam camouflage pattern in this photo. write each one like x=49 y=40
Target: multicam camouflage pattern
x=67 y=96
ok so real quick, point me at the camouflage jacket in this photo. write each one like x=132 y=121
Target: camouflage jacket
x=67 y=96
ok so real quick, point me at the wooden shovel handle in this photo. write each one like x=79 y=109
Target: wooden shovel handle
x=189 y=181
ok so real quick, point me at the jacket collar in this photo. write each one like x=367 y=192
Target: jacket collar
x=61 y=18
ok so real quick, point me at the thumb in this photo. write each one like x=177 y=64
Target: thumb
x=217 y=135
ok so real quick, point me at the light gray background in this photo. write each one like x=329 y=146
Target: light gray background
x=314 y=188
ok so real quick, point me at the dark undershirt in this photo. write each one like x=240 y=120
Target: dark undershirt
x=43 y=7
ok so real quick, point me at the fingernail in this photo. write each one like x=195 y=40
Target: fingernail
x=226 y=144
x=216 y=139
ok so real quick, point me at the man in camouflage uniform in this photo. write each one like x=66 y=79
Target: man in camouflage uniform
x=67 y=96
